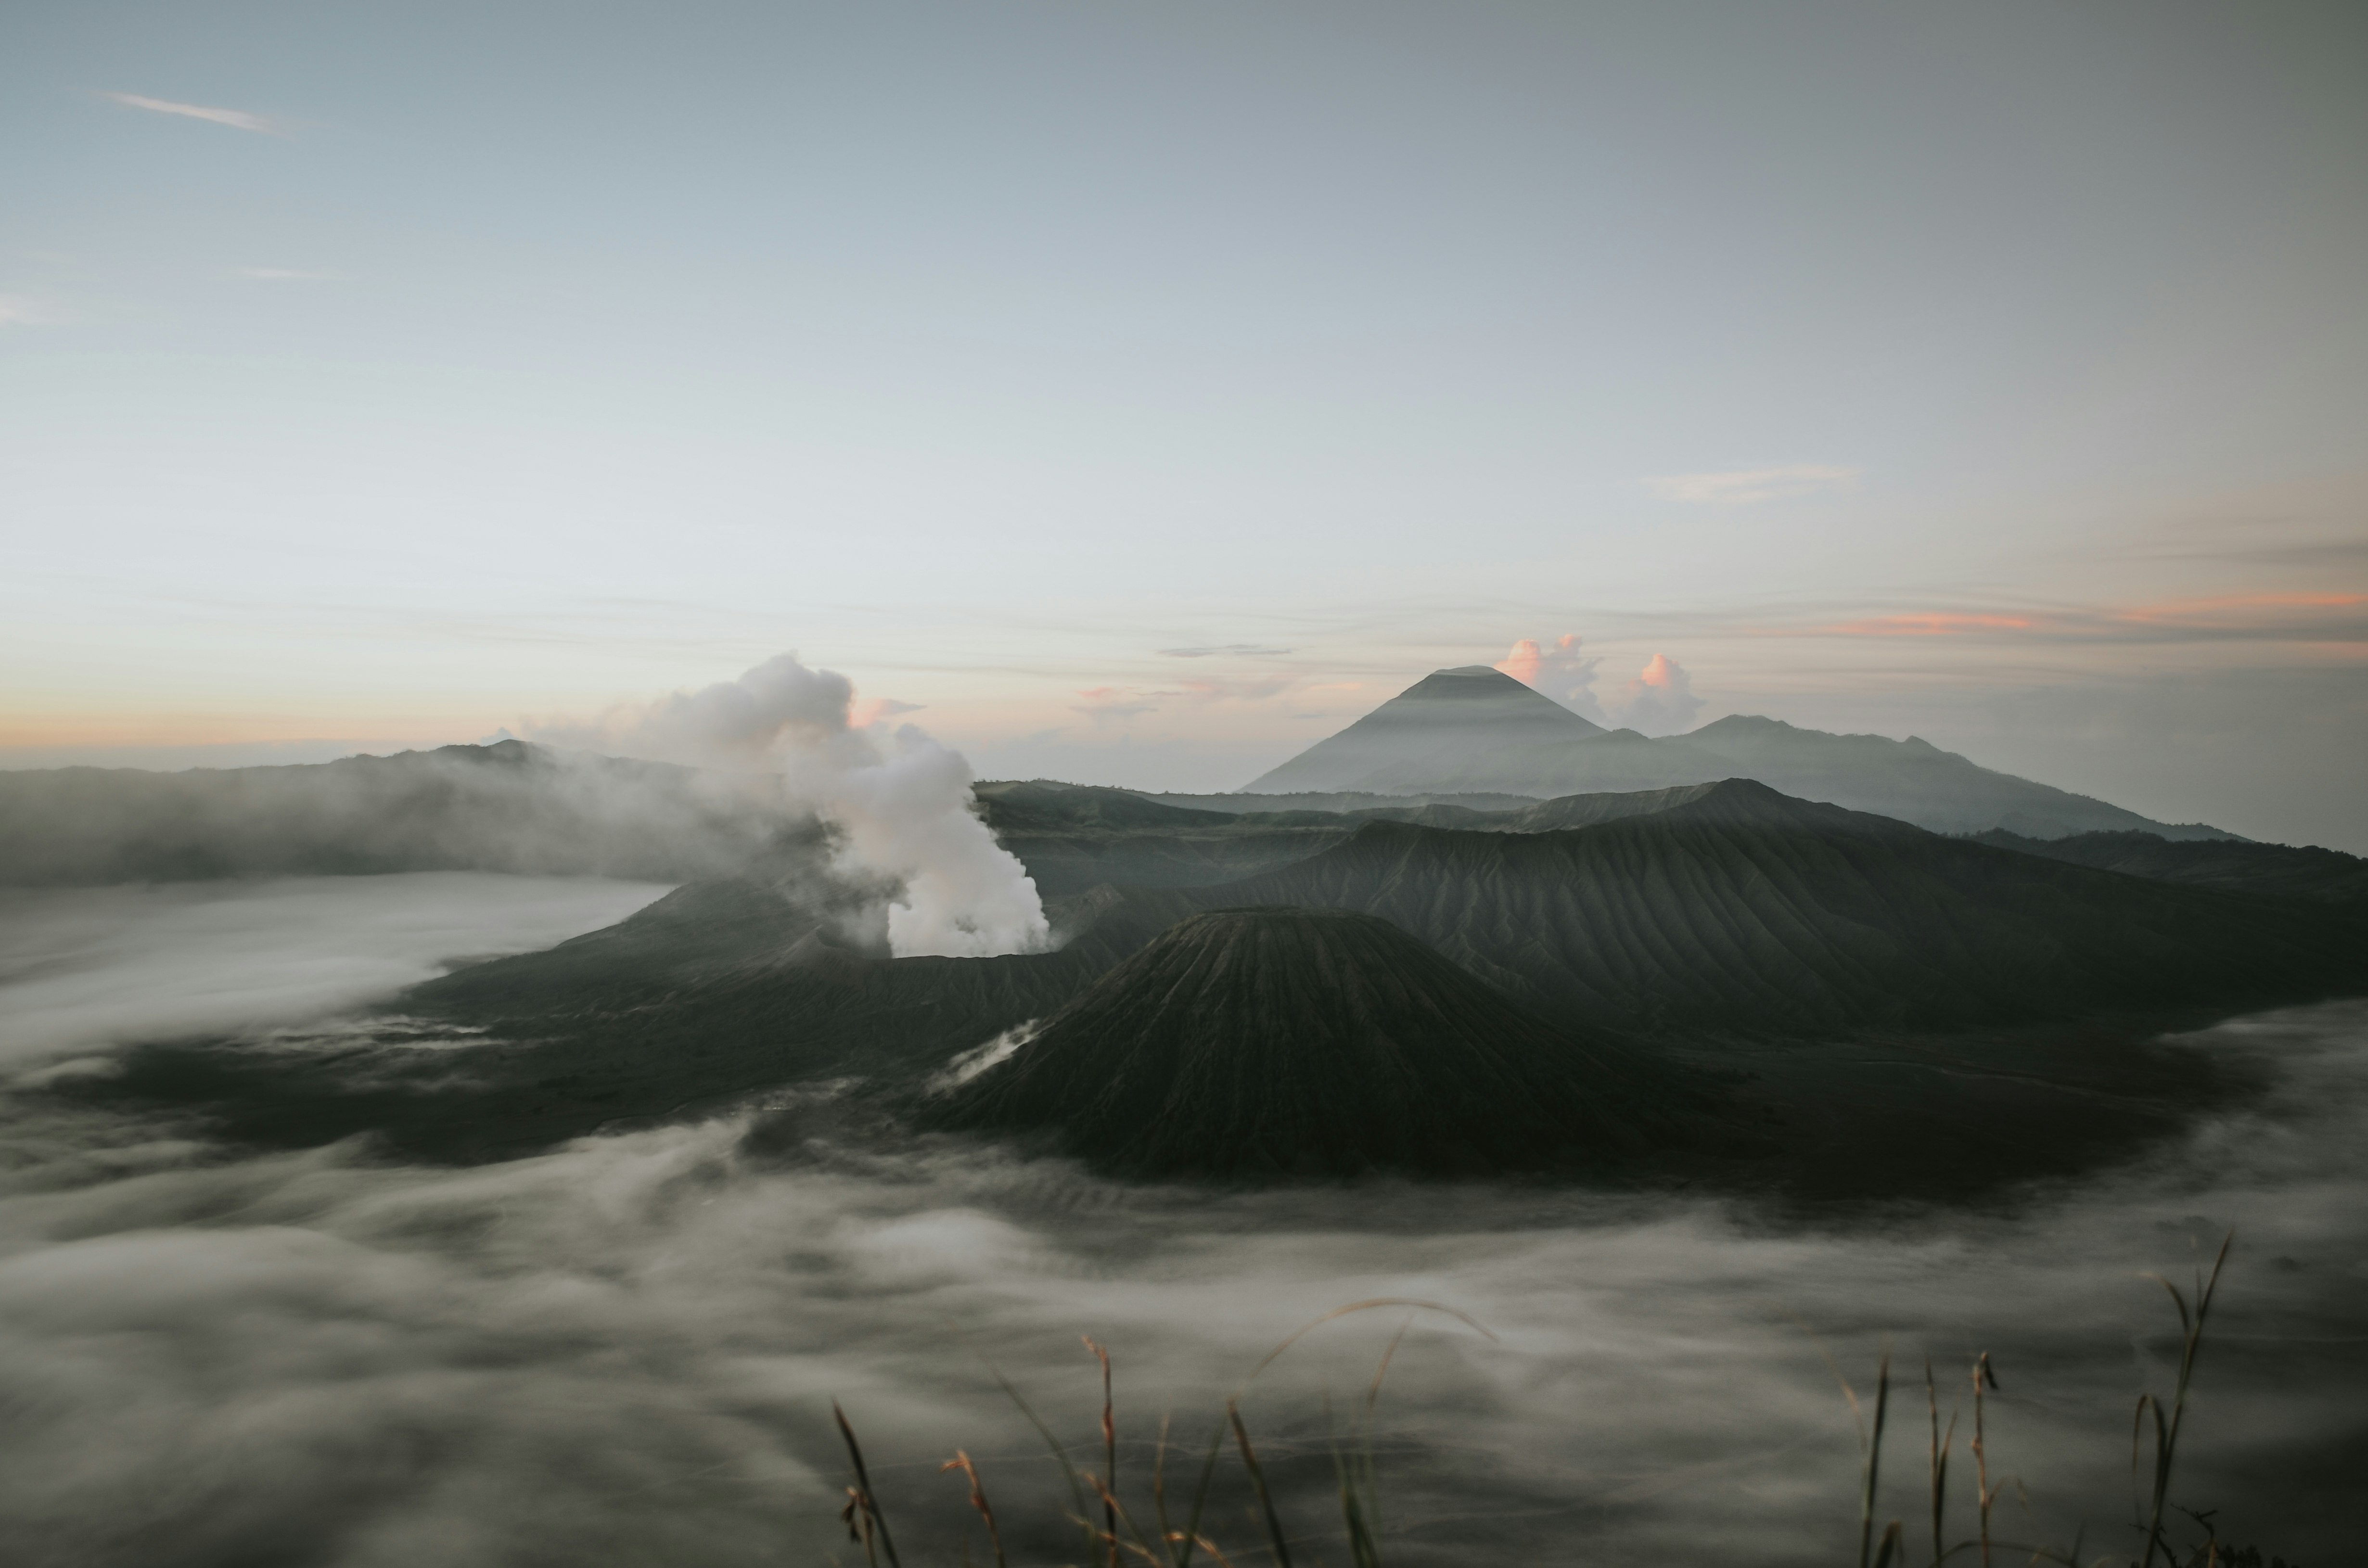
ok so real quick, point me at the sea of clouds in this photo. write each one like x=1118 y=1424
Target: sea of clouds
x=625 y=1350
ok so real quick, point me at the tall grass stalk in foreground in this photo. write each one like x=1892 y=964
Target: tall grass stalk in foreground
x=1985 y=1494
x=978 y=1500
x=2166 y=1433
x=1938 y=1464
x=862 y=1515
x=1361 y=1487
x=1115 y=1535
x=1870 y=1442
x=1108 y=1484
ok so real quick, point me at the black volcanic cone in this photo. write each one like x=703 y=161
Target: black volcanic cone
x=1253 y=1042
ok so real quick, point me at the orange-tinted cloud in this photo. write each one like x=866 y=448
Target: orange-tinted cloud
x=2307 y=618
x=2218 y=608
x=1560 y=670
x=1661 y=699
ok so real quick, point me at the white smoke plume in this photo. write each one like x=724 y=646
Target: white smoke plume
x=900 y=801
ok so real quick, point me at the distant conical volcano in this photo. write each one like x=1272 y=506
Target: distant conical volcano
x=1250 y=1041
x=1475 y=727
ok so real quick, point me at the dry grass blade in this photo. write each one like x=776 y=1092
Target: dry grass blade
x=1874 y=1464
x=1159 y=1482
x=1110 y=1450
x=2166 y=1433
x=1258 y=1484
x=1190 y=1536
x=1890 y=1548
x=864 y=1495
x=1203 y=1543
x=857 y=1520
x=1116 y=1513
x=1985 y=1494
x=1191 y=1532
x=1941 y=1445
x=2138 y=1447
x=977 y=1500
x=1462 y=1317
x=1060 y=1454
x=1355 y=1476
x=1373 y=1394
x=1116 y=1545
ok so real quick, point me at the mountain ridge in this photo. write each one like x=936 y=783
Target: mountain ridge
x=1465 y=731
x=1741 y=908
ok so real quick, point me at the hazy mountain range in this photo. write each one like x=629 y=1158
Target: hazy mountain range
x=1458 y=743
x=1397 y=951
x=1477 y=729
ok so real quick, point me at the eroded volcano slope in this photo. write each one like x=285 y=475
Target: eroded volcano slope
x=1743 y=911
x=1254 y=1042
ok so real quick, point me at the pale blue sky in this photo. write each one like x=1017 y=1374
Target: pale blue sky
x=476 y=363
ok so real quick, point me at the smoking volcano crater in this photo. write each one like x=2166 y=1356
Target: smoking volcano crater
x=1253 y=1042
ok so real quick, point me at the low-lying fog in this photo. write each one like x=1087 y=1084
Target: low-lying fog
x=625 y=1351
x=101 y=966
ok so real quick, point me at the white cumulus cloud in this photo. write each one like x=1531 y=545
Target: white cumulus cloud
x=1559 y=670
x=1661 y=699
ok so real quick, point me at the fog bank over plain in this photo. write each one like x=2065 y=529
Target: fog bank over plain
x=88 y=967
x=627 y=1348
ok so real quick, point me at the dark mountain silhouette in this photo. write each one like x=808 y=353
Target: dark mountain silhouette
x=1071 y=837
x=1741 y=909
x=1337 y=800
x=1478 y=729
x=1261 y=1041
x=1911 y=779
x=1074 y=836
x=508 y=807
x=1587 y=811
x=2234 y=865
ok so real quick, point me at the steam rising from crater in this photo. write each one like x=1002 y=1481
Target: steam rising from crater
x=900 y=801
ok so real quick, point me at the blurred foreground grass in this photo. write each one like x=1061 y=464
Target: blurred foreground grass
x=1161 y=1532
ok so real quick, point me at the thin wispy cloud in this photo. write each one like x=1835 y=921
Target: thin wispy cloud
x=1106 y=705
x=2241 y=606
x=1224 y=650
x=1928 y=623
x=285 y=274
x=2328 y=617
x=17 y=309
x=238 y=120
x=1747 y=486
